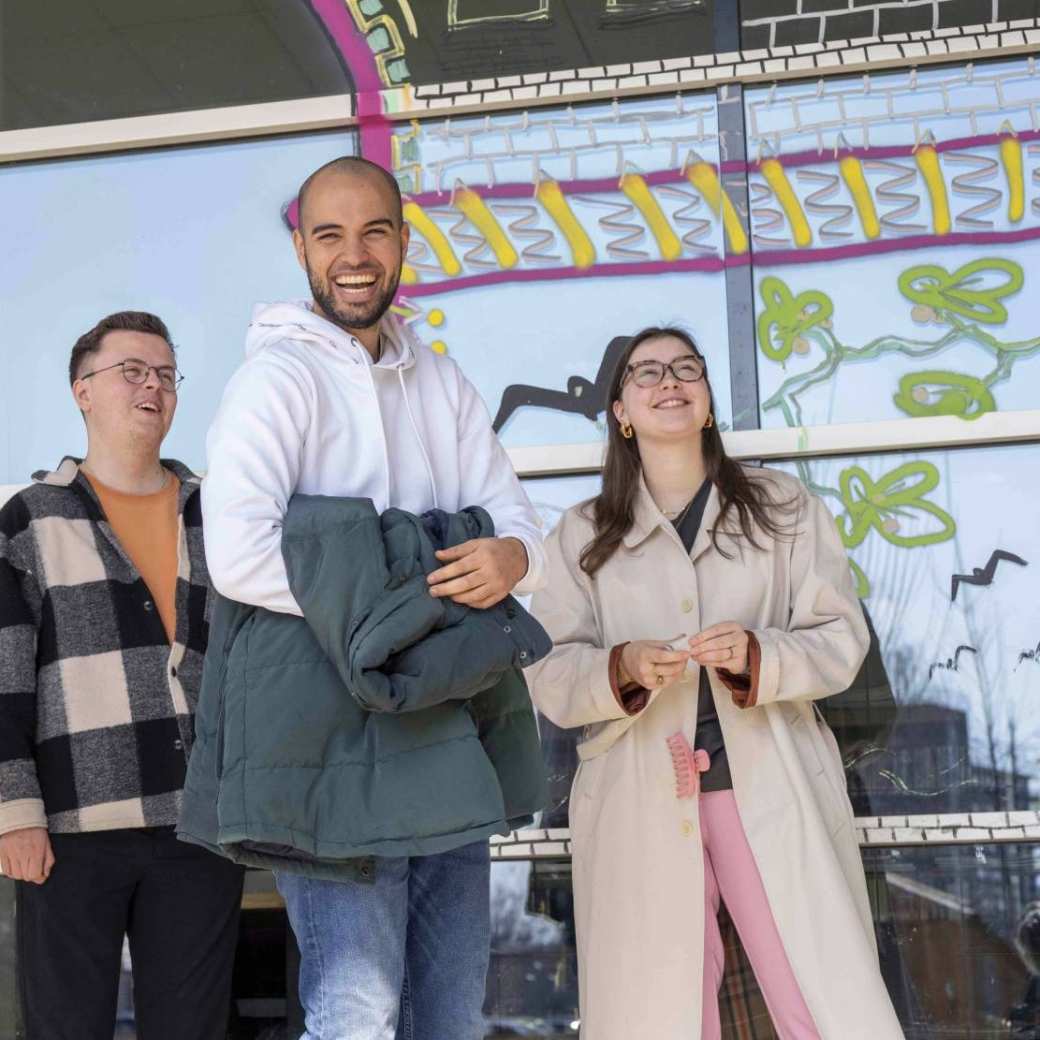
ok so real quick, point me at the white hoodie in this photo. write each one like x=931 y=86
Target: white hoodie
x=308 y=412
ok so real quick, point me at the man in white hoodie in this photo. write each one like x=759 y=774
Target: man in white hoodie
x=338 y=397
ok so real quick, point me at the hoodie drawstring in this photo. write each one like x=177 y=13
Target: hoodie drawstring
x=418 y=436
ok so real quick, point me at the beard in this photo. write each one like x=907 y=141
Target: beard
x=352 y=315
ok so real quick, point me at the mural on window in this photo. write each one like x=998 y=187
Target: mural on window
x=542 y=238
x=944 y=548
x=896 y=243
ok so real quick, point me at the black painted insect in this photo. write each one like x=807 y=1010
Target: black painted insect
x=984 y=575
x=1029 y=655
x=952 y=664
x=581 y=397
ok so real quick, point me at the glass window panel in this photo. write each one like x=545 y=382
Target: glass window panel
x=859 y=188
x=65 y=61
x=194 y=234
x=530 y=263
x=533 y=976
x=958 y=930
x=943 y=547
x=959 y=937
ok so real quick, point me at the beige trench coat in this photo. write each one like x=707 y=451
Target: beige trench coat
x=637 y=855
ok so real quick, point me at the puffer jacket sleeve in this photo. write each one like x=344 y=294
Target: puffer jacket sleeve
x=571 y=686
x=826 y=638
x=361 y=582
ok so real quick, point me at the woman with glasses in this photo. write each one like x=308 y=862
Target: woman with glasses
x=698 y=609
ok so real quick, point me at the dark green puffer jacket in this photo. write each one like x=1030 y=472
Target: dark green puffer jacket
x=384 y=722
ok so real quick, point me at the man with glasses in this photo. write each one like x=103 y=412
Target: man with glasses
x=104 y=598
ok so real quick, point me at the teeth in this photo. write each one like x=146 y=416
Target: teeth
x=359 y=281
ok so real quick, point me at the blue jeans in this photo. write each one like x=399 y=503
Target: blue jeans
x=402 y=958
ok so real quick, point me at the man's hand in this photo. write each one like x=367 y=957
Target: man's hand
x=480 y=572
x=25 y=855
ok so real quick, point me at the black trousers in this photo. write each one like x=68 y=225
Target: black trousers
x=177 y=903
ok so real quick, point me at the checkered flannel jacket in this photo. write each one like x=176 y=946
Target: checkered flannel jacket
x=96 y=706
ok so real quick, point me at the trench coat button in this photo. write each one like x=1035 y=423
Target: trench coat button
x=149 y=605
x=523 y=655
x=687 y=829
x=687 y=605
x=507 y=629
x=178 y=745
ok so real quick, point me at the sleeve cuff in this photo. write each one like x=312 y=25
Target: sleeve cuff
x=22 y=813
x=744 y=688
x=633 y=698
x=532 y=581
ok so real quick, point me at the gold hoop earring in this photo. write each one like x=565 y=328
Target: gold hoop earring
x=626 y=430
x=709 y=422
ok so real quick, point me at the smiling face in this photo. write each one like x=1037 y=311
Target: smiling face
x=351 y=243
x=119 y=413
x=672 y=410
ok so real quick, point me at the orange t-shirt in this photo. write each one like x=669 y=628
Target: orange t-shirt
x=147 y=529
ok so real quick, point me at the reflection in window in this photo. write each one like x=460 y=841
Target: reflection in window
x=962 y=924
x=958 y=931
x=71 y=62
x=942 y=545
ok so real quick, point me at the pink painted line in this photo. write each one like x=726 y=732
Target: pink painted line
x=375 y=128
x=708 y=265
x=773 y=257
x=902 y=151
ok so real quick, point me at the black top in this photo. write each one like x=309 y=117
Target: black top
x=709 y=730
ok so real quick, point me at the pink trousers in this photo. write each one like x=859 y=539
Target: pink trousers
x=730 y=873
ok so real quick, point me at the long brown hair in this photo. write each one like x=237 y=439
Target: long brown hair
x=613 y=509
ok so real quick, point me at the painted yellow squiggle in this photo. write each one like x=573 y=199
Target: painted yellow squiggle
x=855 y=180
x=1011 y=157
x=439 y=243
x=476 y=210
x=927 y=160
x=705 y=180
x=636 y=190
x=551 y=197
x=777 y=180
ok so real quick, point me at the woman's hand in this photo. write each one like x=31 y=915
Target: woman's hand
x=724 y=645
x=651 y=664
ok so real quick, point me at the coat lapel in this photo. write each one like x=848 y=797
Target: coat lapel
x=708 y=521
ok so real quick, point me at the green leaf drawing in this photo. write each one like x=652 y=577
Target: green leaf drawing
x=785 y=318
x=880 y=505
x=944 y=393
x=969 y=291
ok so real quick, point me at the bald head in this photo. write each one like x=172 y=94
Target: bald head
x=352 y=242
x=352 y=167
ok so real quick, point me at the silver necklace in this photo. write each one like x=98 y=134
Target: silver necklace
x=678 y=517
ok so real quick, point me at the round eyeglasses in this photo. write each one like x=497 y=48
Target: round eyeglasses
x=687 y=369
x=136 y=371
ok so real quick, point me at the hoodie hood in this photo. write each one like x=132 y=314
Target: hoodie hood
x=277 y=322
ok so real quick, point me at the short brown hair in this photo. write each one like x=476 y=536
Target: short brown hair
x=122 y=321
